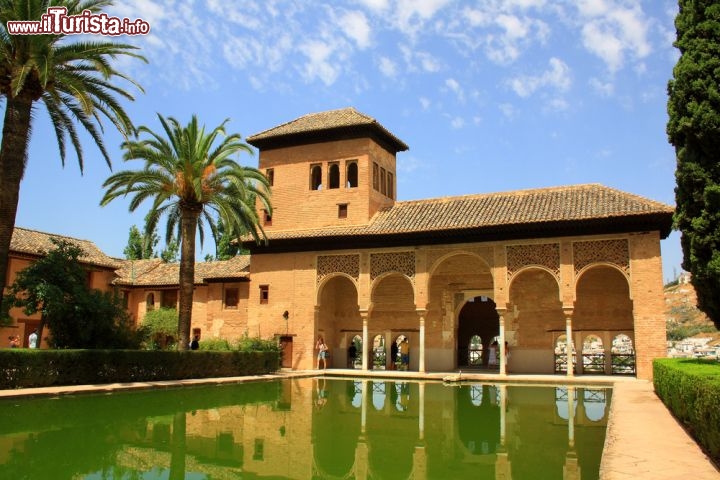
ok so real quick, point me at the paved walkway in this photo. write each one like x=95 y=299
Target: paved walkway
x=643 y=441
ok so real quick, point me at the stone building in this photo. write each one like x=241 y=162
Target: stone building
x=26 y=246
x=526 y=269
x=495 y=281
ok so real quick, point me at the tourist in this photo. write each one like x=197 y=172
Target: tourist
x=492 y=355
x=322 y=352
x=33 y=339
x=405 y=354
x=195 y=344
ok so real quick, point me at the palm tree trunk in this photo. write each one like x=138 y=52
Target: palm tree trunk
x=188 y=227
x=13 y=156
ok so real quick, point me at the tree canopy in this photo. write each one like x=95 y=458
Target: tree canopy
x=78 y=316
x=74 y=77
x=694 y=130
x=191 y=180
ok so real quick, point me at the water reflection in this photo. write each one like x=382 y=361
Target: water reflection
x=310 y=428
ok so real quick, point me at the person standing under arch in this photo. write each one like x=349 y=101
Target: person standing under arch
x=322 y=352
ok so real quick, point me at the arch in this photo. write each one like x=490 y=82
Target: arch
x=478 y=318
x=315 y=177
x=475 y=351
x=622 y=353
x=351 y=174
x=561 y=353
x=443 y=258
x=378 y=354
x=337 y=311
x=587 y=268
x=334 y=176
x=379 y=394
x=380 y=278
x=602 y=300
x=329 y=278
x=150 y=301
x=593 y=354
x=527 y=268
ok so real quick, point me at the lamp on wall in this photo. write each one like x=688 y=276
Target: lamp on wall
x=286 y=314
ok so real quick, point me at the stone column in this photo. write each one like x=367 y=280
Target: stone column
x=569 y=341
x=571 y=417
x=503 y=417
x=365 y=341
x=501 y=315
x=421 y=415
x=421 y=318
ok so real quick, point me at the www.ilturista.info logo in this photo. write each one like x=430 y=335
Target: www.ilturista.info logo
x=57 y=22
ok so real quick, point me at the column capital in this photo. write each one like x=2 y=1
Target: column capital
x=568 y=311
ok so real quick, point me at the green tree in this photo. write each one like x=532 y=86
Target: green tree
x=78 y=317
x=191 y=180
x=72 y=77
x=694 y=130
x=139 y=247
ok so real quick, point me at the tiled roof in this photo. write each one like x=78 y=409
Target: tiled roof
x=155 y=272
x=523 y=208
x=341 y=119
x=35 y=243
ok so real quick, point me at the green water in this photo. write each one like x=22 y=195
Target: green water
x=309 y=428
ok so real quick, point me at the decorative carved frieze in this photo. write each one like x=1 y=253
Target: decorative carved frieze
x=331 y=264
x=401 y=262
x=545 y=255
x=602 y=251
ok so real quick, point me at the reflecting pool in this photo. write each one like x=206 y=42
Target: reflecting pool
x=309 y=428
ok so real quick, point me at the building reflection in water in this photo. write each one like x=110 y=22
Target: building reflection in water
x=323 y=428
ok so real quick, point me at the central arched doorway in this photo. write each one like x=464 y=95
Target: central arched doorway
x=478 y=318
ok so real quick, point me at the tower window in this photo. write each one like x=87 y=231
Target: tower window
x=376 y=176
x=342 y=210
x=264 y=294
x=270 y=174
x=390 y=185
x=352 y=174
x=267 y=218
x=383 y=184
x=334 y=176
x=315 y=177
x=231 y=297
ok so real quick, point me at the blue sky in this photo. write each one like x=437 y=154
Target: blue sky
x=490 y=95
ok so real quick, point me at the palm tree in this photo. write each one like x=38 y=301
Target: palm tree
x=73 y=79
x=191 y=182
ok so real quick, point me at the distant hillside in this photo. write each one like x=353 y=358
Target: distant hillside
x=682 y=317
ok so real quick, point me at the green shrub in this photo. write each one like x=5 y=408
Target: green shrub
x=24 y=368
x=254 y=344
x=691 y=390
x=160 y=328
x=215 y=344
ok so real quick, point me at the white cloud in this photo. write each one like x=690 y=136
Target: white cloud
x=425 y=103
x=604 y=89
x=355 y=25
x=410 y=16
x=508 y=110
x=614 y=30
x=457 y=122
x=319 y=65
x=419 y=60
x=557 y=77
x=387 y=67
x=376 y=5
x=455 y=87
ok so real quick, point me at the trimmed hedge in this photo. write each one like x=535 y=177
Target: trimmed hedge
x=690 y=388
x=25 y=368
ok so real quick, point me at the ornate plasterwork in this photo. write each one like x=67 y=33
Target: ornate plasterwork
x=484 y=253
x=602 y=251
x=401 y=262
x=331 y=264
x=545 y=255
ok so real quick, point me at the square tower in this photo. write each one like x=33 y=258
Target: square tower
x=333 y=168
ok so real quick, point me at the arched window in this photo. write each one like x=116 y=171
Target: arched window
x=593 y=354
x=352 y=175
x=475 y=351
x=315 y=177
x=334 y=176
x=150 y=301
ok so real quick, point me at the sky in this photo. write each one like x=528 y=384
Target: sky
x=490 y=95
